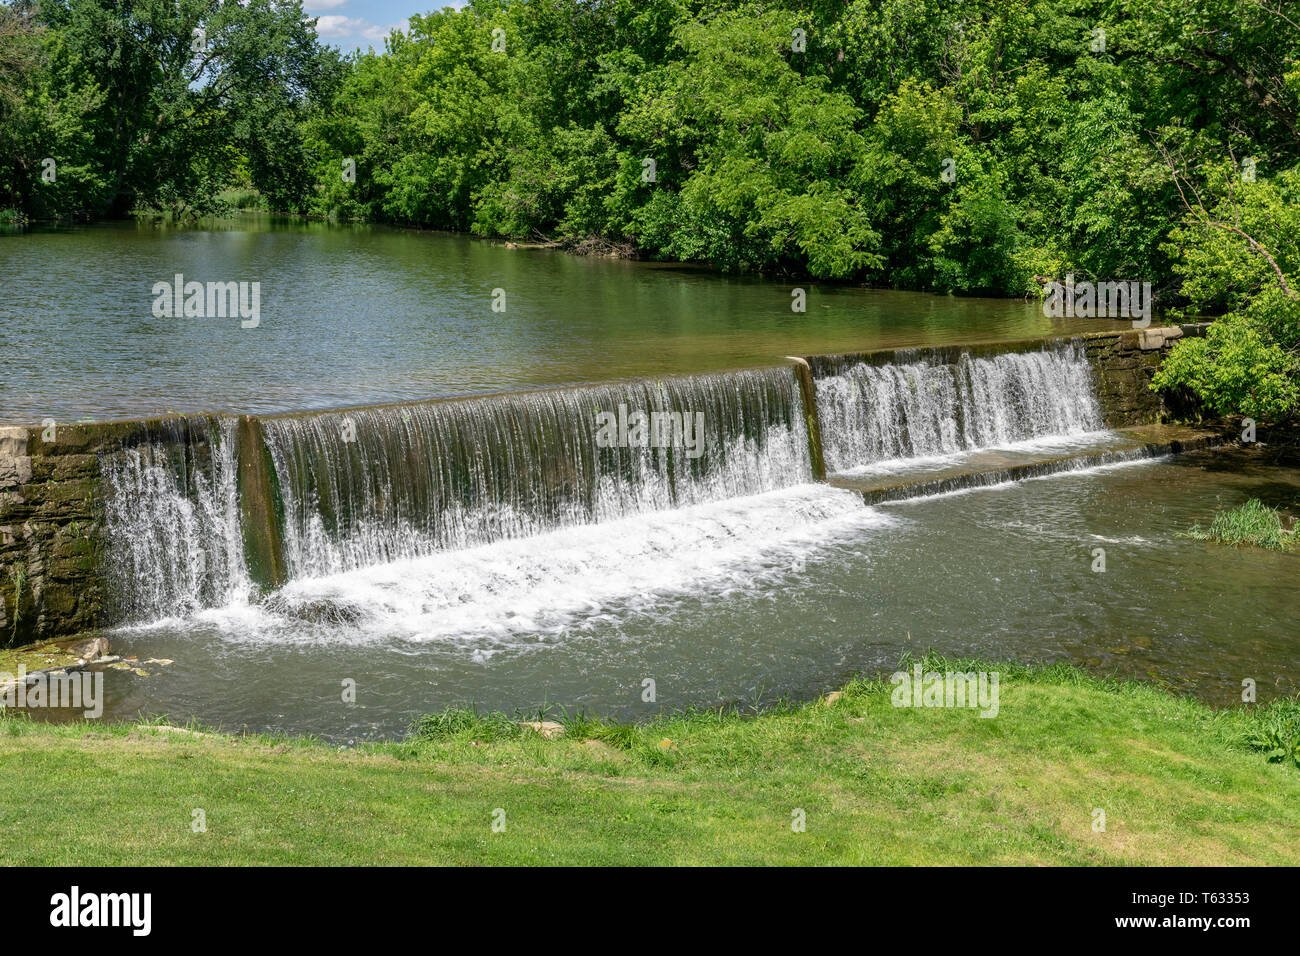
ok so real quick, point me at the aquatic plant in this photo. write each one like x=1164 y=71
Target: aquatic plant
x=1253 y=523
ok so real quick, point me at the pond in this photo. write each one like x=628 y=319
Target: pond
x=361 y=314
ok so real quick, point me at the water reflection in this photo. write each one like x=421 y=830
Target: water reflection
x=356 y=314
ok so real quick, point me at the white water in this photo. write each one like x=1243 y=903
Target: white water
x=872 y=414
x=513 y=591
x=486 y=519
x=373 y=486
x=172 y=514
x=1049 y=446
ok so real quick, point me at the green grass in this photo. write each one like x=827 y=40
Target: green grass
x=242 y=198
x=1253 y=523
x=1179 y=783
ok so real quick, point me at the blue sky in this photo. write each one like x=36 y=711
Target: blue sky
x=353 y=24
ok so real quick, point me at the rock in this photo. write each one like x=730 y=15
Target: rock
x=168 y=729
x=1149 y=339
x=318 y=611
x=549 y=729
x=87 y=650
x=15 y=464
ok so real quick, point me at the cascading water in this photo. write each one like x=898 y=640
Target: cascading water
x=873 y=413
x=171 y=511
x=370 y=486
x=367 y=487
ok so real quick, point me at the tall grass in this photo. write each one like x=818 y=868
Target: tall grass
x=243 y=198
x=1253 y=523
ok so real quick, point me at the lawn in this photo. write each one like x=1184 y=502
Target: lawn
x=1178 y=783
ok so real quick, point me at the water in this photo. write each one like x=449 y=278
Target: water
x=497 y=551
x=876 y=413
x=171 y=517
x=365 y=314
x=786 y=593
x=376 y=485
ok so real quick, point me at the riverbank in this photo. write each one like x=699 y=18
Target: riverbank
x=1178 y=782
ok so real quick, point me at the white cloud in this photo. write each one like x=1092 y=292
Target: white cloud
x=377 y=34
x=337 y=26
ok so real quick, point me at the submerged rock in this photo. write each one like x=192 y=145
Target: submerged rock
x=319 y=611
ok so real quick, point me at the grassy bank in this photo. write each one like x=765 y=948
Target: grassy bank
x=1178 y=782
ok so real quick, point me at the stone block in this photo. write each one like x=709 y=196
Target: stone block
x=15 y=463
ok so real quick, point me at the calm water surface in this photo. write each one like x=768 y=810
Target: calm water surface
x=362 y=314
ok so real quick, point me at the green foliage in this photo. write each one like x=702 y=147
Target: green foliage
x=1237 y=368
x=760 y=157
x=785 y=137
x=1237 y=236
x=1253 y=523
x=823 y=158
x=18 y=575
x=135 y=110
x=464 y=723
x=1276 y=731
x=1238 y=247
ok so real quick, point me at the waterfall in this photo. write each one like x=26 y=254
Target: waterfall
x=872 y=413
x=171 y=513
x=358 y=488
x=369 y=486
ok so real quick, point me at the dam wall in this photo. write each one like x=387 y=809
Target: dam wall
x=106 y=523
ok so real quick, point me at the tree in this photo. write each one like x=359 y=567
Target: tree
x=154 y=102
x=754 y=162
x=1239 y=246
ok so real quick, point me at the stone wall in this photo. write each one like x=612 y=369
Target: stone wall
x=1125 y=362
x=48 y=584
x=50 y=540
